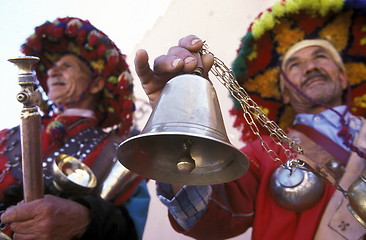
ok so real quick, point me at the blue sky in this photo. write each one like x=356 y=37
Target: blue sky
x=124 y=21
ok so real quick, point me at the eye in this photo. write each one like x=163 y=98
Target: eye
x=66 y=65
x=292 y=65
x=321 y=56
x=63 y=65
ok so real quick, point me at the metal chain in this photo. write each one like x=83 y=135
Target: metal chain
x=253 y=112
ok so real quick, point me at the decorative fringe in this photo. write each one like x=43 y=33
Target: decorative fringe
x=56 y=129
x=268 y=19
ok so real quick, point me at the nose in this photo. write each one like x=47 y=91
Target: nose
x=309 y=66
x=53 y=71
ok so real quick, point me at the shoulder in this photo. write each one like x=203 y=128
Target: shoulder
x=9 y=132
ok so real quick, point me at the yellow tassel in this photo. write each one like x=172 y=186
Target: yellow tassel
x=308 y=4
x=74 y=49
x=107 y=94
x=268 y=19
x=111 y=110
x=253 y=54
x=257 y=28
x=278 y=10
x=360 y=101
x=330 y=5
x=292 y=6
x=264 y=23
x=113 y=80
x=363 y=41
x=97 y=64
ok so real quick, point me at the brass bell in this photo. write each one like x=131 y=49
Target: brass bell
x=184 y=140
x=118 y=180
x=72 y=176
x=357 y=199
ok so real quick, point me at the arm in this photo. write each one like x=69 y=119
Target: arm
x=108 y=221
x=51 y=217
x=52 y=213
x=228 y=212
x=105 y=221
x=180 y=59
x=214 y=210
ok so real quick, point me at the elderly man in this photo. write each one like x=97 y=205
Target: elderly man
x=305 y=95
x=89 y=111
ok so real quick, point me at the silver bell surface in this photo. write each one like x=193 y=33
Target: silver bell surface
x=297 y=191
x=184 y=140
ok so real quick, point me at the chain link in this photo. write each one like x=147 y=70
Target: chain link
x=253 y=112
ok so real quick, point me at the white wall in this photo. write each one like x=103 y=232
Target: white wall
x=222 y=24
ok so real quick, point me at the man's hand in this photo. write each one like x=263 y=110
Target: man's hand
x=47 y=218
x=180 y=59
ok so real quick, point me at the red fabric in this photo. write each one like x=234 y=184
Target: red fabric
x=49 y=145
x=8 y=178
x=230 y=212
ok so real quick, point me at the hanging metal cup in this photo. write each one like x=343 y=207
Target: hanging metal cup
x=357 y=199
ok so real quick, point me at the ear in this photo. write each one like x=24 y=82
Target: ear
x=344 y=80
x=97 y=85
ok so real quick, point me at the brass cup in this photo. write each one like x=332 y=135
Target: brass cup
x=3 y=236
x=357 y=199
x=72 y=176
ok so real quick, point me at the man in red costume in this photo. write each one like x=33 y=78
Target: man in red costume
x=89 y=111
x=307 y=94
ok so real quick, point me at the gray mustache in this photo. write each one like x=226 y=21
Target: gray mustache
x=314 y=75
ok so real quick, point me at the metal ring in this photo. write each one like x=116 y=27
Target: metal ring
x=198 y=71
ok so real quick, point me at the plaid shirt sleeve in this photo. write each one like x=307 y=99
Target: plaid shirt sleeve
x=188 y=205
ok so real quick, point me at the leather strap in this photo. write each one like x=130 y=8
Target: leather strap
x=328 y=144
x=90 y=137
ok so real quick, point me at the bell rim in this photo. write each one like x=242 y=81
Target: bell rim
x=241 y=163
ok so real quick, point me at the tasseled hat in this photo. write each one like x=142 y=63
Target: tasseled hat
x=72 y=35
x=274 y=31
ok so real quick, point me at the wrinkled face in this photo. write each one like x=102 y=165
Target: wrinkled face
x=314 y=72
x=68 y=79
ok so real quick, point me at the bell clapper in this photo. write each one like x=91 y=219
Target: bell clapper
x=185 y=162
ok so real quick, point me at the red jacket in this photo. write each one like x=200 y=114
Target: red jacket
x=107 y=222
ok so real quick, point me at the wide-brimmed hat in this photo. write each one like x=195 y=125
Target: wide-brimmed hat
x=274 y=31
x=72 y=35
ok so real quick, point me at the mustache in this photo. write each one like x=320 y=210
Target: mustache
x=315 y=74
x=56 y=80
